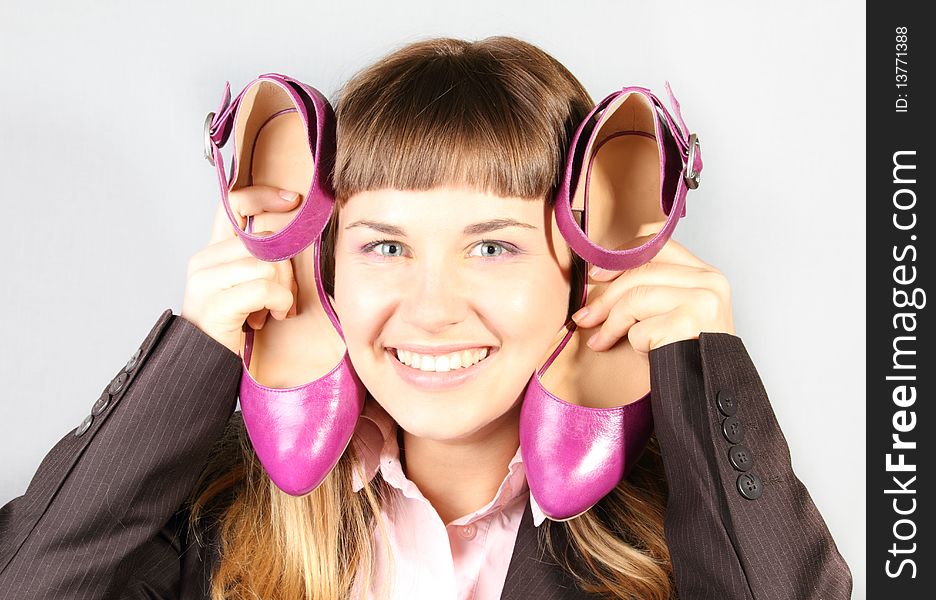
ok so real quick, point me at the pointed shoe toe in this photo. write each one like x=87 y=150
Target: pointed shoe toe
x=575 y=455
x=300 y=433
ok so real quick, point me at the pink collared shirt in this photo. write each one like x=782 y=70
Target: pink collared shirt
x=465 y=559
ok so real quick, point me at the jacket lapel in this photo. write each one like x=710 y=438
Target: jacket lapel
x=532 y=573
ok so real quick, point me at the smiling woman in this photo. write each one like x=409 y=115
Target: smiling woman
x=429 y=297
x=452 y=283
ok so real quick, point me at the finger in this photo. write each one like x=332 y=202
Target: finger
x=639 y=304
x=256 y=199
x=224 y=251
x=257 y=320
x=294 y=310
x=650 y=274
x=671 y=252
x=250 y=201
x=288 y=280
x=241 y=265
x=254 y=296
x=230 y=274
x=661 y=329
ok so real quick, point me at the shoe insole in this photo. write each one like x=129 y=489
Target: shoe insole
x=305 y=347
x=623 y=203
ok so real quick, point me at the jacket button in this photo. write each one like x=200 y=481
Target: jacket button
x=726 y=403
x=118 y=383
x=84 y=426
x=133 y=360
x=733 y=430
x=741 y=457
x=750 y=486
x=101 y=404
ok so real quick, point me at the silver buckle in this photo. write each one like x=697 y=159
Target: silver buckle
x=692 y=176
x=209 y=155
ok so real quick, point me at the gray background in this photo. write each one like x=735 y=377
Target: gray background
x=106 y=196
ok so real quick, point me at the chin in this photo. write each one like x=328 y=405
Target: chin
x=434 y=417
x=440 y=420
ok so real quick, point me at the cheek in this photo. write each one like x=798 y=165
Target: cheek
x=360 y=305
x=527 y=308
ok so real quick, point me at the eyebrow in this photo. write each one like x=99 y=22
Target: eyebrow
x=473 y=229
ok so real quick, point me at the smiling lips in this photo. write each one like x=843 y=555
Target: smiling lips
x=441 y=363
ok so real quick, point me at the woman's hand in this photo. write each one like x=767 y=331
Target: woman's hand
x=227 y=286
x=673 y=297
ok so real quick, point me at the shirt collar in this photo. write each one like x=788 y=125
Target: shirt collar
x=375 y=440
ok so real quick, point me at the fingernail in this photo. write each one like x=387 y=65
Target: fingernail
x=592 y=341
x=595 y=271
x=581 y=314
x=288 y=196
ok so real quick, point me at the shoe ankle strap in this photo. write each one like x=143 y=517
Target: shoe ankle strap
x=319 y=199
x=689 y=150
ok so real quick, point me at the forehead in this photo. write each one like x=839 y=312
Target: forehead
x=438 y=208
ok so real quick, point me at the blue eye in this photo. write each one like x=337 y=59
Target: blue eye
x=386 y=248
x=487 y=247
x=394 y=249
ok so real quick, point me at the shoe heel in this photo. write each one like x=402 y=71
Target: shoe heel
x=575 y=455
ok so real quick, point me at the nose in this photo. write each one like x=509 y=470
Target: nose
x=435 y=298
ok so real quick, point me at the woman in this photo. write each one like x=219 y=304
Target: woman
x=432 y=140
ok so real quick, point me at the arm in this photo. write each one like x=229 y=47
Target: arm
x=99 y=518
x=724 y=544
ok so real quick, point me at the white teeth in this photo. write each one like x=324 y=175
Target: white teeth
x=442 y=363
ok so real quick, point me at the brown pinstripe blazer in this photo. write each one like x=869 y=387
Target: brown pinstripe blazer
x=101 y=517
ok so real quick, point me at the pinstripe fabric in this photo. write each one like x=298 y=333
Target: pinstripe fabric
x=532 y=573
x=90 y=524
x=722 y=544
x=101 y=518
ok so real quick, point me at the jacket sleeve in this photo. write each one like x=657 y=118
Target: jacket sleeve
x=100 y=517
x=739 y=523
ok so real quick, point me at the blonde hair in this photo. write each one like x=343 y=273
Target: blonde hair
x=495 y=115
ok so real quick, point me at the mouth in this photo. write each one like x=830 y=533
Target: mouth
x=442 y=363
x=441 y=371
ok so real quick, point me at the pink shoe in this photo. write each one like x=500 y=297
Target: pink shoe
x=638 y=165
x=299 y=433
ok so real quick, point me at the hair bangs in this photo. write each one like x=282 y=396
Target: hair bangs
x=451 y=115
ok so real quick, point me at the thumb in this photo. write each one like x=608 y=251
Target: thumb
x=251 y=201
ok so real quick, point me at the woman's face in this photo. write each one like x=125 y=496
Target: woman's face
x=437 y=277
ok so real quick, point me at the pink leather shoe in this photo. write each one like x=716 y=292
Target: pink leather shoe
x=638 y=165
x=284 y=132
